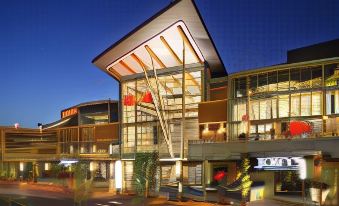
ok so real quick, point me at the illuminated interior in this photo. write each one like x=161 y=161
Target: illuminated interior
x=274 y=98
x=141 y=118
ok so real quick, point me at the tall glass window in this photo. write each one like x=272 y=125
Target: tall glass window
x=283 y=105
x=283 y=80
x=317 y=77
x=272 y=81
x=240 y=87
x=306 y=104
x=254 y=110
x=295 y=105
x=305 y=78
x=316 y=103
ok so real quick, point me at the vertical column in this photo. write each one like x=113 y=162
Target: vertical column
x=111 y=177
x=323 y=101
x=204 y=177
x=180 y=183
x=248 y=107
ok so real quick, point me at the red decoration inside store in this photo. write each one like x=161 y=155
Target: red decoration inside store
x=299 y=127
x=147 y=98
x=219 y=175
x=129 y=100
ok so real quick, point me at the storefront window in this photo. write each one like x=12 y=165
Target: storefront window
x=283 y=105
x=306 y=104
x=283 y=80
x=262 y=82
x=253 y=83
x=240 y=87
x=272 y=81
x=295 y=105
x=305 y=78
x=332 y=102
x=254 y=110
x=316 y=77
x=316 y=103
x=295 y=79
x=265 y=109
x=331 y=75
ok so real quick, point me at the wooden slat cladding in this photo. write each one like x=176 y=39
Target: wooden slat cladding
x=107 y=132
x=214 y=111
x=219 y=93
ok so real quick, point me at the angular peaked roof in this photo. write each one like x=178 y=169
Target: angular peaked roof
x=184 y=12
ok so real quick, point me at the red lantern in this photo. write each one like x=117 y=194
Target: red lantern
x=244 y=117
x=299 y=127
x=147 y=98
x=219 y=175
x=129 y=100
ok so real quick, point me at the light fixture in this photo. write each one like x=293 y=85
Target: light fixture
x=110 y=149
x=118 y=174
x=71 y=149
x=206 y=130
x=221 y=129
x=177 y=168
x=21 y=166
x=94 y=148
x=325 y=117
x=47 y=166
x=91 y=166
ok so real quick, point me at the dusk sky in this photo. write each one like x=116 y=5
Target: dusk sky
x=46 y=46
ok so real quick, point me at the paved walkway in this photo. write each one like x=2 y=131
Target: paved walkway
x=42 y=195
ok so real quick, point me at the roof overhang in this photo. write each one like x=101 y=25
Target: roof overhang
x=121 y=59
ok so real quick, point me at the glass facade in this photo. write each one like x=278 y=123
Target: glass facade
x=142 y=129
x=275 y=98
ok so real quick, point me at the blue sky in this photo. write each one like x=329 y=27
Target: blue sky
x=46 y=47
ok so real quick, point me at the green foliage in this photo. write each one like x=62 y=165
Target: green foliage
x=246 y=179
x=146 y=166
x=82 y=186
x=56 y=169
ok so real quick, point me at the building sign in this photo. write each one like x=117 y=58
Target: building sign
x=278 y=163
x=69 y=112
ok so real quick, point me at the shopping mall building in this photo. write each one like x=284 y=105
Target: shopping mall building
x=177 y=98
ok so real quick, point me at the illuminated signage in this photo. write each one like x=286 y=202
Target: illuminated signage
x=69 y=112
x=278 y=163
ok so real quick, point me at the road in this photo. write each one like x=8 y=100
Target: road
x=32 y=195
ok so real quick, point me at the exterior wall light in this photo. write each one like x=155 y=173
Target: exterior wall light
x=206 y=130
x=71 y=150
x=94 y=148
x=21 y=166
x=177 y=169
x=91 y=166
x=110 y=149
x=221 y=129
x=47 y=166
